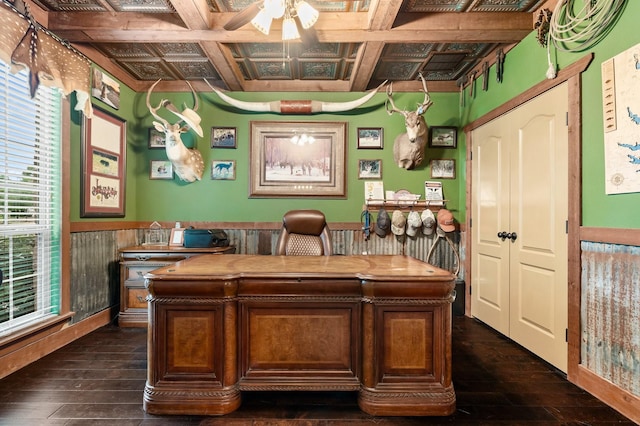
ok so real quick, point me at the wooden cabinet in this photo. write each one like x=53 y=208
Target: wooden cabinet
x=137 y=261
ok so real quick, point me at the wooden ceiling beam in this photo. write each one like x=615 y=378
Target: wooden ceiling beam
x=331 y=27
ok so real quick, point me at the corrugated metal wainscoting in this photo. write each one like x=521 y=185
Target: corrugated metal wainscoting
x=95 y=263
x=611 y=313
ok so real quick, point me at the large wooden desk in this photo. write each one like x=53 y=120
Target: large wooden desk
x=378 y=325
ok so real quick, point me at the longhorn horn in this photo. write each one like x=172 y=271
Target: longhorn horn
x=295 y=107
x=152 y=110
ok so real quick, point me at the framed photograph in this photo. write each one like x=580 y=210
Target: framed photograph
x=160 y=169
x=103 y=167
x=370 y=138
x=369 y=169
x=157 y=139
x=443 y=137
x=105 y=88
x=223 y=137
x=177 y=237
x=443 y=169
x=297 y=159
x=223 y=169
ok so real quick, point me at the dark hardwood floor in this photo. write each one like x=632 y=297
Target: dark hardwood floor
x=99 y=379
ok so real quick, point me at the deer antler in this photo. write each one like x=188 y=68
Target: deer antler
x=152 y=110
x=427 y=98
x=389 y=100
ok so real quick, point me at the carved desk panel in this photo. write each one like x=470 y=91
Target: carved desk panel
x=377 y=325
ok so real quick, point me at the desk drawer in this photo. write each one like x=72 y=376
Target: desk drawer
x=136 y=297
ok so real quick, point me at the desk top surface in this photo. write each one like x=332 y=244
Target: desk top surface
x=373 y=267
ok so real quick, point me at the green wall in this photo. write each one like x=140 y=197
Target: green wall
x=209 y=200
x=526 y=65
x=216 y=200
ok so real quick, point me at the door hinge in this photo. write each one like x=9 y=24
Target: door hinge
x=470 y=289
x=566 y=118
x=566 y=227
x=566 y=335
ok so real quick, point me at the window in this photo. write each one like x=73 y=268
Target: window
x=30 y=202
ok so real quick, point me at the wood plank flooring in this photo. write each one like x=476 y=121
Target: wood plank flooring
x=99 y=379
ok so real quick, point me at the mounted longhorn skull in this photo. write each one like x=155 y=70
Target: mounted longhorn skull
x=296 y=106
x=187 y=163
x=408 y=147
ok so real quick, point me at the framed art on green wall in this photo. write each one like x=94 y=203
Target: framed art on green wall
x=103 y=165
x=297 y=159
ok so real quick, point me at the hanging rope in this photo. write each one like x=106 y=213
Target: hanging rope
x=573 y=30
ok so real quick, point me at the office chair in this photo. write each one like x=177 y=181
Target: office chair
x=304 y=233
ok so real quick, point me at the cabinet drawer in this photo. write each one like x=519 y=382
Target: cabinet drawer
x=136 y=272
x=137 y=298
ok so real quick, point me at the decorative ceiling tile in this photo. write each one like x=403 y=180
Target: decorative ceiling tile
x=270 y=70
x=397 y=70
x=408 y=50
x=318 y=70
x=124 y=50
x=142 y=6
x=322 y=50
x=192 y=70
x=179 y=49
x=148 y=70
x=71 y=5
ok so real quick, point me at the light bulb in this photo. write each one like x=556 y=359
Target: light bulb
x=289 y=29
x=307 y=14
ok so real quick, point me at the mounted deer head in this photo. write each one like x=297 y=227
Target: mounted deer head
x=408 y=147
x=187 y=163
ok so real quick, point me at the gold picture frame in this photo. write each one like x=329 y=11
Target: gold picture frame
x=298 y=159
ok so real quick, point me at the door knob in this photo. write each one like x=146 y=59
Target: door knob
x=512 y=236
x=502 y=235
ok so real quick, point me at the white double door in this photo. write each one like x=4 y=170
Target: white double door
x=519 y=225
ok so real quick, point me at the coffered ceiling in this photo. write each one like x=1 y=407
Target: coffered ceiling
x=358 y=44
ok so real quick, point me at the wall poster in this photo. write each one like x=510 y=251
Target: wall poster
x=621 y=115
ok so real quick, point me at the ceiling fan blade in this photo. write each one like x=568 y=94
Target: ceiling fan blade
x=309 y=37
x=243 y=17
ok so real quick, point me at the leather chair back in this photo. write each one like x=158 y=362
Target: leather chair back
x=304 y=233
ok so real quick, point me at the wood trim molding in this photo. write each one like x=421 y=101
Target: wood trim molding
x=123 y=225
x=20 y=355
x=625 y=402
x=629 y=237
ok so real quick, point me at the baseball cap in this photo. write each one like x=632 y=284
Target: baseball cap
x=383 y=224
x=428 y=222
x=445 y=220
x=413 y=223
x=398 y=222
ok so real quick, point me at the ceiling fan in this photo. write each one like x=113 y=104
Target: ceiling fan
x=298 y=18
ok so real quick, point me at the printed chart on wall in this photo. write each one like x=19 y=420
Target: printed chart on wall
x=621 y=114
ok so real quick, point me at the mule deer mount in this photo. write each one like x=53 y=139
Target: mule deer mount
x=187 y=162
x=408 y=147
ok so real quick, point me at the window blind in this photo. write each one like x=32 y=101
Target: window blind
x=30 y=201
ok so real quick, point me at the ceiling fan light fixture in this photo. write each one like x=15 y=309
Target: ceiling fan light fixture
x=306 y=14
x=289 y=29
x=275 y=8
x=262 y=21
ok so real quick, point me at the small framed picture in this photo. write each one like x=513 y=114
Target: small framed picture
x=161 y=169
x=443 y=137
x=443 y=169
x=177 y=237
x=223 y=137
x=370 y=138
x=369 y=169
x=156 y=139
x=223 y=169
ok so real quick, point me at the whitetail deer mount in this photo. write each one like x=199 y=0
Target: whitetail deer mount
x=408 y=147
x=187 y=162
